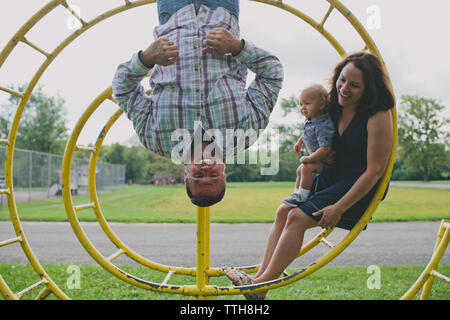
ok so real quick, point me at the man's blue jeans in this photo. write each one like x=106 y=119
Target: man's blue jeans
x=166 y=8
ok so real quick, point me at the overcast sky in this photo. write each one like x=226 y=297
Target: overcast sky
x=411 y=35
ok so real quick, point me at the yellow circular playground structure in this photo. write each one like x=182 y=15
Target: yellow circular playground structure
x=203 y=271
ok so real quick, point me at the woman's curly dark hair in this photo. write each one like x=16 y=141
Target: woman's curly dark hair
x=377 y=94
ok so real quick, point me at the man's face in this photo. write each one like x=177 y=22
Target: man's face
x=207 y=178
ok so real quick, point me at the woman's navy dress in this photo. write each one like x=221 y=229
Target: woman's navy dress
x=350 y=163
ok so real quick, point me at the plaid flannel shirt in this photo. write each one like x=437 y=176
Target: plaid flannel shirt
x=199 y=87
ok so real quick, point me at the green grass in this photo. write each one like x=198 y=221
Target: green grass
x=243 y=202
x=328 y=283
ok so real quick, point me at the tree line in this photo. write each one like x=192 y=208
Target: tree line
x=422 y=154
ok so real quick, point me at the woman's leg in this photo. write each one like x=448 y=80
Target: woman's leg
x=274 y=236
x=287 y=246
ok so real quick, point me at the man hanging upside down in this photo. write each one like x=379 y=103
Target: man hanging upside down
x=198 y=67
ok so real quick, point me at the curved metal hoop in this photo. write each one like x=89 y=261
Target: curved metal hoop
x=106 y=263
x=94 y=204
x=211 y=271
x=425 y=280
x=19 y=37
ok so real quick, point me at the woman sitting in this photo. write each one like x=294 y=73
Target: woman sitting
x=360 y=103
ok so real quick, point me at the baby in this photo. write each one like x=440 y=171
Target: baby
x=318 y=133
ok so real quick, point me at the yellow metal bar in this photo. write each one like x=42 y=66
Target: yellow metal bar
x=107 y=94
x=15 y=124
x=26 y=27
x=115 y=255
x=31 y=288
x=206 y=290
x=440 y=276
x=74 y=222
x=10 y=241
x=35 y=47
x=4 y=141
x=327 y=35
x=305 y=248
x=330 y=9
x=15 y=93
x=73 y=13
x=350 y=237
x=44 y=294
x=12 y=138
x=84 y=149
x=4 y=191
x=202 y=279
x=84 y=206
x=6 y=291
x=429 y=283
x=207 y=243
x=314 y=241
x=168 y=276
x=432 y=265
x=327 y=243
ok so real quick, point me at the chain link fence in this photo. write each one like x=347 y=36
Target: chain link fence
x=37 y=175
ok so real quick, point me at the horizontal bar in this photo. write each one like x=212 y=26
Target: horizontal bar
x=10 y=241
x=4 y=141
x=84 y=149
x=31 y=288
x=84 y=206
x=73 y=13
x=15 y=93
x=115 y=255
x=4 y=191
x=35 y=47
x=440 y=276
x=326 y=16
x=167 y=278
x=328 y=243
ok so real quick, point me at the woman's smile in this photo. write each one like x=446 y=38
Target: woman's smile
x=350 y=86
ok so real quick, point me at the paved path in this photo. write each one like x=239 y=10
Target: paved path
x=396 y=243
x=420 y=185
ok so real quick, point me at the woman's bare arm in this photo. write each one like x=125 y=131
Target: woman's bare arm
x=379 y=144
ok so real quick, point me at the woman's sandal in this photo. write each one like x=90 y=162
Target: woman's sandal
x=234 y=275
x=240 y=278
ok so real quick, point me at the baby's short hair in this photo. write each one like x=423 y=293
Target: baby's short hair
x=321 y=91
